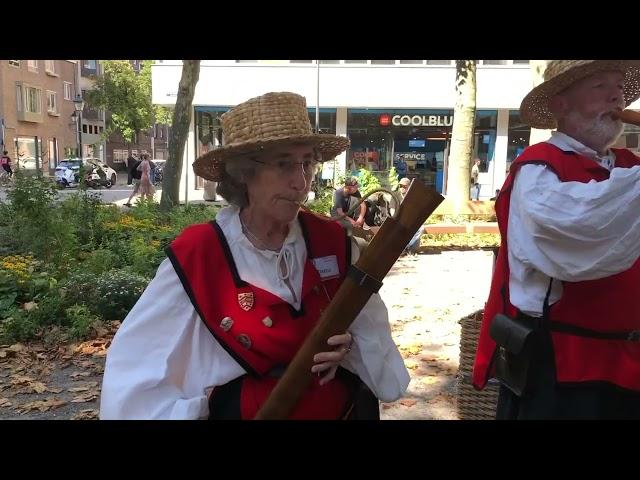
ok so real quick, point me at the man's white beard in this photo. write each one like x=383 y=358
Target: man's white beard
x=602 y=131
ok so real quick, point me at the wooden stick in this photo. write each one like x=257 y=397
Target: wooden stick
x=629 y=116
x=376 y=260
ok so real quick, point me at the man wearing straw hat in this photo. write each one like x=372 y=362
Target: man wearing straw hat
x=567 y=277
x=236 y=298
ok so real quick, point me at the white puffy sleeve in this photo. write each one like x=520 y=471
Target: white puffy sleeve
x=163 y=359
x=374 y=356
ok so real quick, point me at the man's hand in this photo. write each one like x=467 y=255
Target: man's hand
x=329 y=361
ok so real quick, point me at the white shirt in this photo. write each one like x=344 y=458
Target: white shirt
x=163 y=361
x=570 y=231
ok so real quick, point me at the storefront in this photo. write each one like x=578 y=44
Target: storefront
x=415 y=142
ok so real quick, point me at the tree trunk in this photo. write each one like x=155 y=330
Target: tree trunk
x=179 y=133
x=537 y=73
x=462 y=135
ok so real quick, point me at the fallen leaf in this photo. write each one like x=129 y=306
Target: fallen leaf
x=4 y=402
x=386 y=406
x=39 y=387
x=29 y=306
x=86 y=414
x=430 y=380
x=55 y=390
x=408 y=402
x=18 y=347
x=21 y=380
x=78 y=389
x=79 y=374
x=42 y=405
x=411 y=365
x=87 y=397
x=412 y=349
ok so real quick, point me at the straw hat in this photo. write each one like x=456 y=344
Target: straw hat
x=271 y=120
x=561 y=74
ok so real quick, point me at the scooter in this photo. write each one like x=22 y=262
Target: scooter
x=95 y=180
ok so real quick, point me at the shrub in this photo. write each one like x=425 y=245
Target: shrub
x=80 y=320
x=80 y=287
x=37 y=226
x=117 y=291
x=101 y=260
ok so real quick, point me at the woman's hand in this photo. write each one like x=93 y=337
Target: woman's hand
x=329 y=361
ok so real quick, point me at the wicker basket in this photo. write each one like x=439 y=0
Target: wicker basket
x=473 y=404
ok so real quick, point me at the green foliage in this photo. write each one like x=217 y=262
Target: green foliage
x=17 y=327
x=367 y=181
x=117 y=291
x=323 y=202
x=80 y=211
x=80 y=320
x=126 y=94
x=101 y=260
x=461 y=240
x=99 y=274
x=34 y=224
x=393 y=179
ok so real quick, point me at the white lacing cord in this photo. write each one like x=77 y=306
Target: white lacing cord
x=284 y=263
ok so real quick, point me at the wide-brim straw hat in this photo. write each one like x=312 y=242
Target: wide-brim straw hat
x=560 y=74
x=271 y=120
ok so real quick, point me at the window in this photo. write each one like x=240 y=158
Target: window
x=89 y=64
x=119 y=156
x=383 y=62
x=32 y=99
x=246 y=61
x=329 y=61
x=439 y=62
x=521 y=62
x=32 y=65
x=161 y=131
x=50 y=66
x=52 y=102
x=301 y=61
x=495 y=62
x=101 y=129
x=68 y=91
x=355 y=61
x=19 y=98
x=411 y=62
x=14 y=63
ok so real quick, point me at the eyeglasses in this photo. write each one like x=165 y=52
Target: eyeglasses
x=289 y=167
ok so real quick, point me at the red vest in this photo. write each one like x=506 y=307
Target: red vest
x=258 y=329
x=610 y=304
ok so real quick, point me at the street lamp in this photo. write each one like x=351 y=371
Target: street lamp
x=78 y=104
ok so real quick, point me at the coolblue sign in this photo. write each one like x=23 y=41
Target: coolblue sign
x=422 y=120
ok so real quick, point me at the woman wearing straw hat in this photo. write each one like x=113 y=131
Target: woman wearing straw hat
x=567 y=276
x=234 y=301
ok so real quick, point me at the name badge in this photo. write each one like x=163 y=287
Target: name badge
x=327 y=267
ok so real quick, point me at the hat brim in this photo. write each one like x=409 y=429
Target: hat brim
x=210 y=164
x=534 y=109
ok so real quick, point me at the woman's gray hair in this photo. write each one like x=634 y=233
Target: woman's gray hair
x=233 y=186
